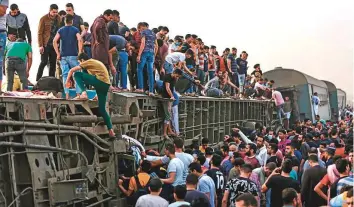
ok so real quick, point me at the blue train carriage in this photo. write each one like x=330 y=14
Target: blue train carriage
x=333 y=100
x=299 y=87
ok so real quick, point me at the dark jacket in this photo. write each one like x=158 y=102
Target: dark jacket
x=99 y=34
x=77 y=22
x=18 y=25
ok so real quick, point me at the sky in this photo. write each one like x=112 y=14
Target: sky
x=315 y=37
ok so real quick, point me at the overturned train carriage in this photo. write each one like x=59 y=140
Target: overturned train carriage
x=58 y=153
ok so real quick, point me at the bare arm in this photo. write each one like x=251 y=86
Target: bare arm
x=171 y=179
x=55 y=44
x=29 y=61
x=168 y=89
x=79 y=42
x=318 y=190
x=225 y=199
x=142 y=46
x=72 y=70
x=110 y=53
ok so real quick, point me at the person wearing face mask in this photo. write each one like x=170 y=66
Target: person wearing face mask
x=174 y=47
x=226 y=165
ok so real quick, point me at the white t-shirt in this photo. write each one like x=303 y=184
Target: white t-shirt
x=151 y=201
x=175 y=57
x=259 y=86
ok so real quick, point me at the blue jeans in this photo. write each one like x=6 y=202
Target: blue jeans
x=3 y=38
x=146 y=58
x=122 y=65
x=66 y=63
x=87 y=50
x=280 y=112
x=241 y=81
x=168 y=67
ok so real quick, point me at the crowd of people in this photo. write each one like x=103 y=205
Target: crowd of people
x=311 y=164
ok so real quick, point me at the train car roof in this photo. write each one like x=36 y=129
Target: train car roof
x=290 y=77
x=331 y=87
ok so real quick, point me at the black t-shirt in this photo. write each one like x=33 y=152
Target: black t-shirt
x=185 y=47
x=168 y=79
x=277 y=184
x=294 y=161
x=194 y=196
x=219 y=182
x=113 y=28
x=257 y=74
x=274 y=159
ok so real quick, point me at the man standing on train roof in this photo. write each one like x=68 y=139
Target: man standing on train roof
x=17 y=24
x=315 y=103
x=77 y=22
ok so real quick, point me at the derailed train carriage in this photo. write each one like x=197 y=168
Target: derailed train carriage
x=300 y=87
x=58 y=153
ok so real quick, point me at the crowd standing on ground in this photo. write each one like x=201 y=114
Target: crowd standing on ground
x=309 y=163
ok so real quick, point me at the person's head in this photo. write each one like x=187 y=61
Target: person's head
x=209 y=151
x=69 y=19
x=282 y=134
x=329 y=152
x=246 y=170
x=188 y=38
x=53 y=10
x=177 y=73
x=178 y=142
x=315 y=94
x=180 y=192
x=225 y=150
x=133 y=30
x=201 y=159
x=251 y=149
x=14 y=10
x=323 y=146
x=145 y=166
x=257 y=66
x=350 y=198
x=82 y=57
x=246 y=200
x=289 y=149
x=189 y=53
x=343 y=166
x=108 y=15
x=212 y=49
x=62 y=13
x=313 y=160
x=195 y=168
x=164 y=31
x=234 y=51
x=192 y=180
x=205 y=142
x=155 y=185
x=115 y=16
x=69 y=8
x=232 y=149
x=216 y=160
x=290 y=197
x=260 y=141
x=272 y=148
x=11 y=37
x=169 y=150
x=87 y=26
x=269 y=168
x=238 y=162
x=286 y=166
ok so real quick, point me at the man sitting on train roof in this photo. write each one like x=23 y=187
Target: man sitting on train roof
x=219 y=85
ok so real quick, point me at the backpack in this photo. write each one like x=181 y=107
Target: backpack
x=333 y=188
x=141 y=190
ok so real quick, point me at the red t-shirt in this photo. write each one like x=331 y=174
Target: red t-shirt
x=252 y=161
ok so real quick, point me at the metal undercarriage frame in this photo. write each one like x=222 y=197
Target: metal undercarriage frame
x=57 y=152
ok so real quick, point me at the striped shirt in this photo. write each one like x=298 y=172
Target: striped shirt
x=344 y=182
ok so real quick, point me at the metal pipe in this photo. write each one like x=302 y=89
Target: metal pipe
x=116 y=119
x=43 y=147
x=53 y=132
x=52 y=126
x=99 y=202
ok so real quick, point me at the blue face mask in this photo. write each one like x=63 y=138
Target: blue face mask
x=177 y=43
x=231 y=154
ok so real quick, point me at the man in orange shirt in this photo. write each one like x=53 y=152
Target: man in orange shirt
x=143 y=177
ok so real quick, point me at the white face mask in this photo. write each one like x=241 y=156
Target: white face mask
x=231 y=154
